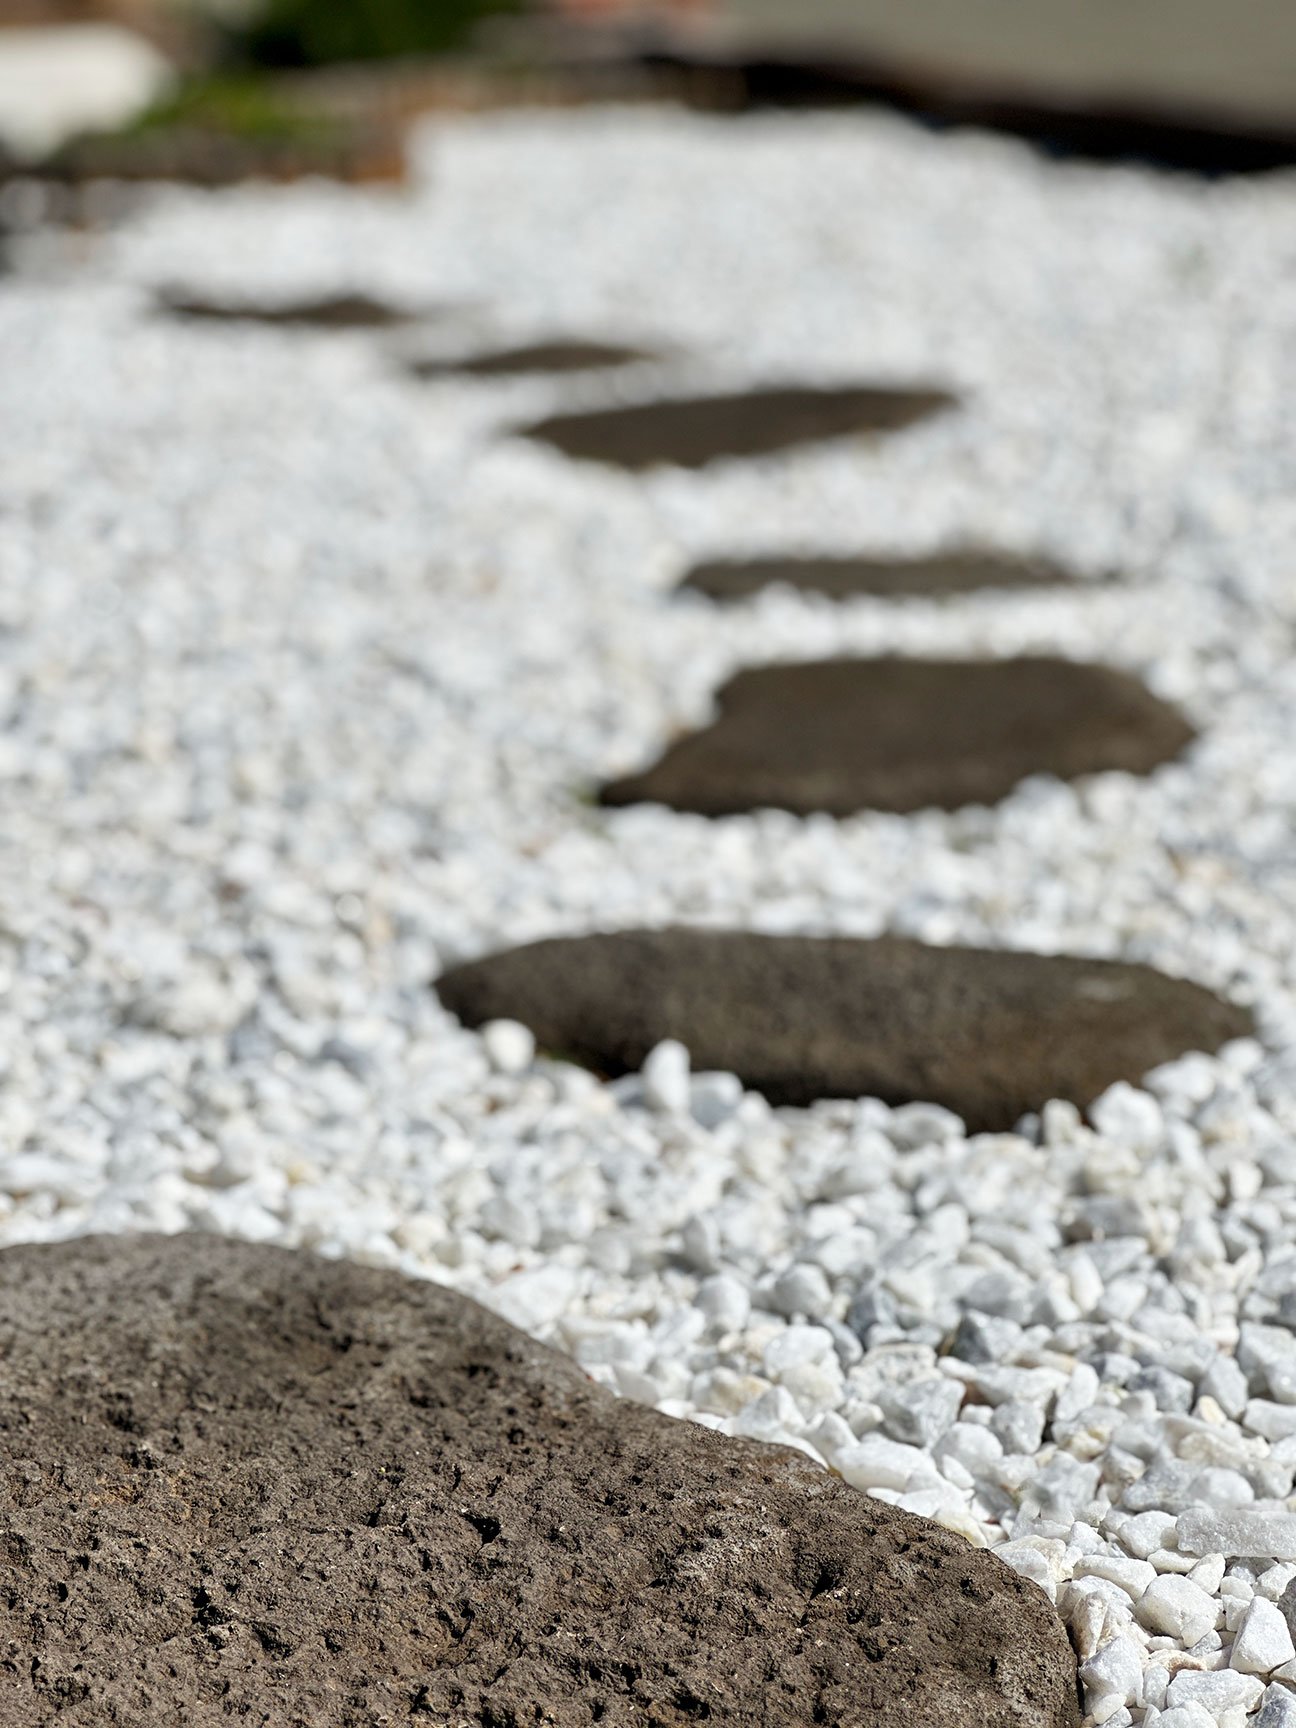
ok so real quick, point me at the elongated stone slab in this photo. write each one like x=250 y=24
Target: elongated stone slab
x=572 y=355
x=902 y=735
x=891 y=578
x=691 y=431
x=990 y=1033
x=328 y=312
x=243 y=1484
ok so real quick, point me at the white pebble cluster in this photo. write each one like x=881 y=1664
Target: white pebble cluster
x=306 y=673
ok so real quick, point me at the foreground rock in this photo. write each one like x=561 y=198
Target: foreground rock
x=959 y=572
x=692 y=431
x=244 y=1484
x=328 y=312
x=569 y=356
x=901 y=735
x=989 y=1033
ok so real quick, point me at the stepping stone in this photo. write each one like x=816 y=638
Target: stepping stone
x=959 y=572
x=989 y=1033
x=247 y=1484
x=691 y=431
x=902 y=735
x=569 y=356
x=330 y=312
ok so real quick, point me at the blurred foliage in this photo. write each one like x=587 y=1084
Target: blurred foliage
x=321 y=32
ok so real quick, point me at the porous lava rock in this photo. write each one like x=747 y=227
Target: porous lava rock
x=990 y=1033
x=692 y=431
x=241 y=1484
x=900 y=735
x=932 y=575
x=570 y=355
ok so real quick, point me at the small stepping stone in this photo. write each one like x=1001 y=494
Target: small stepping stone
x=961 y=572
x=989 y=1033
x=570 y=356
x=330 y=312
x=243 y=1483
x=691 y=431
x=901 y=735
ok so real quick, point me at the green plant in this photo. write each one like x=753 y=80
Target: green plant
x=319 y=32
x=242 y=106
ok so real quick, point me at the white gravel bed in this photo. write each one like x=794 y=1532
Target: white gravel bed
x=306 y=675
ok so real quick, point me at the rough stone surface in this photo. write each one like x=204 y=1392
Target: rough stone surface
x=956 y=572
x=328 y=312
x=901 y=735
x=573 y=355
x=243 y=1484
x=989 y=1033
x=691 y=431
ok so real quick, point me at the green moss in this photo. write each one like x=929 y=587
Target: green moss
x=239 y=106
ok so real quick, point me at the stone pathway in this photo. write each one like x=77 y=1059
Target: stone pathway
x=1066 y=1335
x=990 y=1034
x=253 y=1484
x=963 y=571
x=847 y=735
x=692 y=431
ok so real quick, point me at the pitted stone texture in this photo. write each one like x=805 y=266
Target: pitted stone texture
x=330 y=312
x=242 y=1484
x=570 y=355
x=900 y=735
x=691 y=431
x=991 y=1034
x=892 y=578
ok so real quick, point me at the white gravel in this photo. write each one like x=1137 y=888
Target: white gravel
x=305 y=673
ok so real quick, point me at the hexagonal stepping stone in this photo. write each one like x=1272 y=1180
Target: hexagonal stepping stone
x=691 y=431
x=243 y=1483
x=990 y=1033
x=956 y=572
x=902 y=735
x=327 y=312
x=572 y=355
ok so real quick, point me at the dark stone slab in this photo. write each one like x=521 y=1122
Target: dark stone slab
x=691 y=431
x=330 y=312
x=357 y=148
x=572 y=355
x=957 y=572
x=989 y=1033
x=241 y=1484
x=1180 y=83
x=901 y=735
x=1197 y=138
